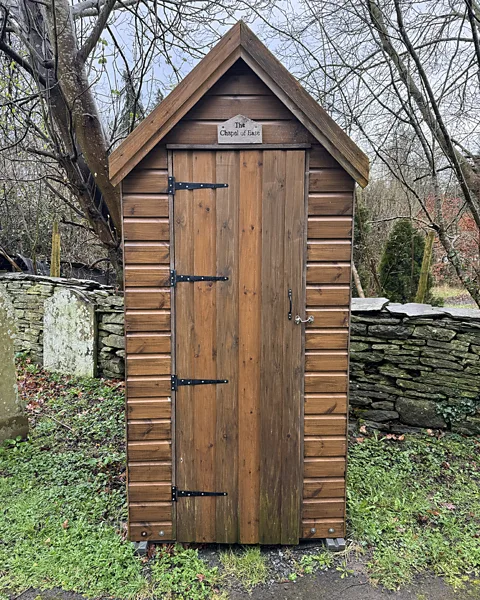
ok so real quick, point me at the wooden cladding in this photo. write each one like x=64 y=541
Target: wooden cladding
x=149 y=302
x=274 y=132
x=223 y=107
x=329 y=233
x=150 y=253
x=146 y=229
x=151 y=181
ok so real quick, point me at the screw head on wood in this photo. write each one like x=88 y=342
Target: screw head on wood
x=161 y=533
x=313 y=530
x=144 y=534
x=331 y=530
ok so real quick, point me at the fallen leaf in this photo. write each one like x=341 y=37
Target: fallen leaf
x=65 y=524
x=200 y=576
x=363 y=429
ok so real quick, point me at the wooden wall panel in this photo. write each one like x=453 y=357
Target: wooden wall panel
x=329 y=246
x=150 y=253
x=325 y=404
x=151 y=531
x=325 y=445
x=146 y=205
x=202 y=132
x=328 y=487
x=147 y=298
x=150 y=408
x=146 y=229
x=150 y=511
x=328 y=204
x=149 y=276
x=146 y=181
x=319 y=250
x=149 y=471
x=323 y=528
x=148 y=320
x=239 y=84
x=223 y=107
x=148 y=343
x=143 y=451
x=328 y=317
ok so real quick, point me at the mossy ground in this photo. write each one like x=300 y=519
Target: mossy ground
x=413 y=506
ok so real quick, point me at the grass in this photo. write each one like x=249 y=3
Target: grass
x=414 y=505
x=248 y=566
x=63 y=505
x=457 y=297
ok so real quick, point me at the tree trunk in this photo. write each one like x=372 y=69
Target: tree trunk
x=358 y=283
x=425 y=269
x=73 y=119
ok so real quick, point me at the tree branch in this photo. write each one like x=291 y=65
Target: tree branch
x=97 y=30
x=91 y=8
x=21 y=62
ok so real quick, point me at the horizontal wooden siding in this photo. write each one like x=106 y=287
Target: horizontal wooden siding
x=329 y=233
x=146 y=231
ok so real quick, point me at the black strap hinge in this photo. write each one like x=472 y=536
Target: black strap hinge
x=176 y=382
x=174 y=185
x=176 y=278
x=176 y=493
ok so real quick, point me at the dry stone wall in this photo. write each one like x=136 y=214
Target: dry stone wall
x=415 y=366
x=412 y=366
x=28 y=294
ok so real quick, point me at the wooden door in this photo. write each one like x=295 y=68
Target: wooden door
x=242 y=437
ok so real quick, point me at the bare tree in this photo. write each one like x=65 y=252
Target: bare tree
x=404 y=78
x=66 y=67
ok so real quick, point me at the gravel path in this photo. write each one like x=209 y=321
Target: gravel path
x=323 y=586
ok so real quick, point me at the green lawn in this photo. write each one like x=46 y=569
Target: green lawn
x=414 y=505
x=62 y=499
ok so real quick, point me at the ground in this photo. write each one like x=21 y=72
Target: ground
x=457 y=297
x=413 y=516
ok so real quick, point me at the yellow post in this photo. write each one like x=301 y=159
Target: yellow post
x=55 y=258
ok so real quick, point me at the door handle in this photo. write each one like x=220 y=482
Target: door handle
x=299 y=320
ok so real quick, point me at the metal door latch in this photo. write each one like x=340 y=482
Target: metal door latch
x=299 y=320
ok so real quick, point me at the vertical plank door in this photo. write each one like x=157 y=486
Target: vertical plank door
x=242 y=437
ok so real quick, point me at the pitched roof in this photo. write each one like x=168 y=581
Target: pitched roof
x=238 y=42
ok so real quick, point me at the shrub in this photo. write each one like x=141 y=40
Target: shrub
x=401 y=263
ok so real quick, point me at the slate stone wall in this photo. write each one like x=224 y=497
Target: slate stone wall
x=412 y=366
x=415 y=366
x=28 y=294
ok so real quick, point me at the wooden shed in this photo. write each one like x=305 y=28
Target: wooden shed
x=237 y=222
